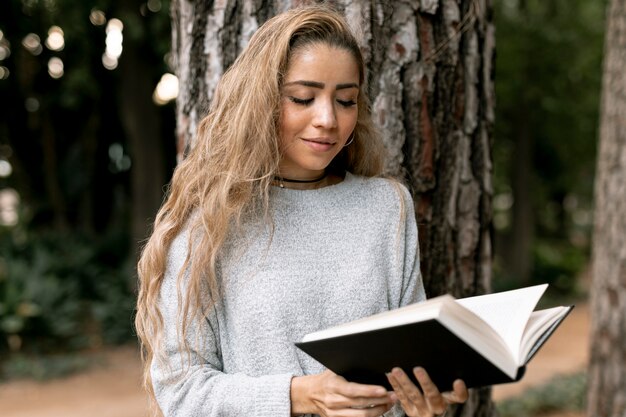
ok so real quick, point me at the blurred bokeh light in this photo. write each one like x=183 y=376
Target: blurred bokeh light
x=55 y=67
x=97 y=17
x=32 y=43
x=55 y=40
x=166 y=90
x=113 y=42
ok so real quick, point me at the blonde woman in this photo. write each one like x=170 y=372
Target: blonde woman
x=276 y=225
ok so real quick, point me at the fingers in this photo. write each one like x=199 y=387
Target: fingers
x=435 y=401
x=338 y=397
x=369 y=411
x=413 y=403
x=428 y=402
x=459 y=393
x=354 y=390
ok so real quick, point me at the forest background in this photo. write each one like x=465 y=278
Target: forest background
x=81 y=177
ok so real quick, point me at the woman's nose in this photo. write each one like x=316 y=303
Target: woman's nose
x=325 y=115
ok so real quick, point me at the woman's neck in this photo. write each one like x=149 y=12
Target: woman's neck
x=323 y=180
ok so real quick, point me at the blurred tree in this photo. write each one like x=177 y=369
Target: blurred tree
x=76 y=167
x=607 y=369
x=548 y=66
x=87 y=151
x=430 y=82
x=140 y=115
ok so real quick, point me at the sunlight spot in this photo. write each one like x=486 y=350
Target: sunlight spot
x=32 y=43
x=50 y=5
x=113 y=42
x=503 y=201
x=5 y=168
x=119 y=161
x=55 y=40
x=97 y=17
x=116 y=152
x=115 y=25
x=55 y=67
x=31 y=104
x=154 y=5
x=9 y=202
x=4 y=52
x=166 y=90
x=109 y=62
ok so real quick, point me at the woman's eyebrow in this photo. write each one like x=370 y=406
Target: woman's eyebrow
x=316 y=84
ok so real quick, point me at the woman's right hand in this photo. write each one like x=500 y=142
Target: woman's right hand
x=330 y=395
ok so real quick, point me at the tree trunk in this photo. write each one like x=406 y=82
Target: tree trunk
x=519 y=256
x=431 y=86
x=141 y=120
x=607 y=368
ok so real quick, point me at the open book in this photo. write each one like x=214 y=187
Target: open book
x=484 y=340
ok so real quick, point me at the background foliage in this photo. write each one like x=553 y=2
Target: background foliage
x=67 y=265
x=67 y=277
x=549 y=58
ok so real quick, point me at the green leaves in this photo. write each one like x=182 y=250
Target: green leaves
x=56 y=292
x=548 y=77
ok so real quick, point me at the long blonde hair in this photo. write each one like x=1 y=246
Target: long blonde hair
x=231 y=167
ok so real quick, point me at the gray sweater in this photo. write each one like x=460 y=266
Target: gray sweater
x=335 y=254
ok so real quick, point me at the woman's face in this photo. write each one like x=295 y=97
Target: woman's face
x=318 y=109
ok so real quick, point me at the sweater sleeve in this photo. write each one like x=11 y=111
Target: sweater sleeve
x=195 y=384
x=412 y=285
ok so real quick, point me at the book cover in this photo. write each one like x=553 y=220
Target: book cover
x=365 y=357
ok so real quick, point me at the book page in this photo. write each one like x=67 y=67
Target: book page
x=539 y=322
x=408 y=314
x=506 y=312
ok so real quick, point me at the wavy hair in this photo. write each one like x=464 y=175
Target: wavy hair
x=229 y=171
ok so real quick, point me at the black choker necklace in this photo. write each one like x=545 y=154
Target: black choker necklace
x=282 y=180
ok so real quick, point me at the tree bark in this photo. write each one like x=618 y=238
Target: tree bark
x=430 y=81
x=607 y=368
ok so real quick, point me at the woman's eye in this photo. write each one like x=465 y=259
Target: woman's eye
x=303 y=101
x=346 y=103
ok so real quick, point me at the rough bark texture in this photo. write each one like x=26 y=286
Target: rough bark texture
x=607 y=370
x=430 y=81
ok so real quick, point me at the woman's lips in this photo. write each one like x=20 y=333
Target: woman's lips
x=319 y=144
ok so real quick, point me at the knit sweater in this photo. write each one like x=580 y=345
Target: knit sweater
x=333 y=255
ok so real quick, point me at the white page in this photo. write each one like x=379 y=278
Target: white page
x=539 y=322
x=507 y=312
x=404 y=315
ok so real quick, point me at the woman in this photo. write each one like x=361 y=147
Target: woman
x=277 y=225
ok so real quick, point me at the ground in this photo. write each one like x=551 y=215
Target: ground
x=113 y=388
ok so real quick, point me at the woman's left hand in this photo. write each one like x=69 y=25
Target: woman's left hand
x=429 y=403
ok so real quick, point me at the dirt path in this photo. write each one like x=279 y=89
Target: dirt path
x=113 y=390
x=110 y=390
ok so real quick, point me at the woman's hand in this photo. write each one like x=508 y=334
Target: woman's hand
x=330 y=395
x=429 y=403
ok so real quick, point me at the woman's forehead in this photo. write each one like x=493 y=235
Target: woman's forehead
x=319 y=62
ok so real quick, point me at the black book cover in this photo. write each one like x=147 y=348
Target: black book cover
x=366 y=357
